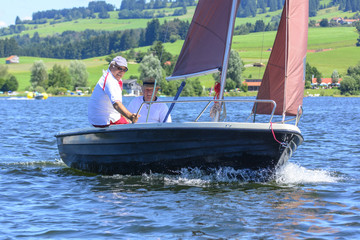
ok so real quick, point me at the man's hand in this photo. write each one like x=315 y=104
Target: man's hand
x=134 y=117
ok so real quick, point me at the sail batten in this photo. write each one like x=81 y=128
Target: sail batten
x=284 y=77
x=206 y=40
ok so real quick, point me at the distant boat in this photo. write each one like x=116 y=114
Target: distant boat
x=37 y=95
x=169 y=147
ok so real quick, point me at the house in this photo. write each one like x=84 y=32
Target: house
x=337 y=19
x=132 y=87
x=349 y=21
x=325 y=82
x=253 y=84
x=12 y=59
x=341 y=20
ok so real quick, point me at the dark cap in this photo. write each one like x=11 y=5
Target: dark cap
x=149 y=81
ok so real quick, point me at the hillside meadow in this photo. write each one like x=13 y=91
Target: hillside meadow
x=114 y=24
x=329 y=49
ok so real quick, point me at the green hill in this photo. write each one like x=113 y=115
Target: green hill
x=327 y=54
x=329 y=48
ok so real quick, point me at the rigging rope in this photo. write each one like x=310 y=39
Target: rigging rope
x=284 y=144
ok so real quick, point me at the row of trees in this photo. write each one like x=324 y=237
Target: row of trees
x=259 y=26
x=154 y=4
x=75 y=13
x=91 y=43
x=60 y=78
x=133 y=14
x=8 y=47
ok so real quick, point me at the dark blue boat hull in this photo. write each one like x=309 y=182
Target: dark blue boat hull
x=138 y=150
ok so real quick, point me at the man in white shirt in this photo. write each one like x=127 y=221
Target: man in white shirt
x=105 y=106
x=158 y=111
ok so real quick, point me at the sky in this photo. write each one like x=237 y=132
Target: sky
x=9 y=9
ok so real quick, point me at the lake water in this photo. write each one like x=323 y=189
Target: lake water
x=316 y=195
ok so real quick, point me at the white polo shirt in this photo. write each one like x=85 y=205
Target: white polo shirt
x=158 y=111
x=106 y=92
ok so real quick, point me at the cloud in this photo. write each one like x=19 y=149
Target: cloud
x=3 y=24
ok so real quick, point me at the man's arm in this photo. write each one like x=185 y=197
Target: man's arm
x=126 y=113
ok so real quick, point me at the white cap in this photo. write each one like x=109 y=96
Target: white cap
x=120 y=61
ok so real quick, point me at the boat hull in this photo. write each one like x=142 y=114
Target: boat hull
x=168 y=147
x=39 y=97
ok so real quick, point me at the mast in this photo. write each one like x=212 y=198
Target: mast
x=286 y=55
x=227 y=53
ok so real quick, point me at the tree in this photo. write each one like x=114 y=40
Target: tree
x=150 y=67
x=313 y=7
x=39 y=75
x=152 y=31
x=17 y=20
x=318 y=80
x=60 y=77
x=230 y=84
x=198 y=88
x=244 y=87
x=78 y=73
x=311 y=72
x=2 y=82
x=235 y=67
x=158 y=50
x=11 y=84
x=259 y=26
x=335 y=76
x=353 y=70
x=104 y=14
x=234 y=71
x=348 y=85
x=324 y=22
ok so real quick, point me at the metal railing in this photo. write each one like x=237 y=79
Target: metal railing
x=209 y=101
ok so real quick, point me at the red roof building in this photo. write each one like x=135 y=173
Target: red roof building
x=12 y=59
x=324 y=81
x=253 y=84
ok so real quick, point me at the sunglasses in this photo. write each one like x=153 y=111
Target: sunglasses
x=122 y=69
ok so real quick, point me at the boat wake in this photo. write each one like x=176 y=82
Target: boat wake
x=292 y=173
x=289 y=174
x=39 y=163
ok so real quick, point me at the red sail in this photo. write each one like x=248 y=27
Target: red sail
x=204 y=46
x=284 y=77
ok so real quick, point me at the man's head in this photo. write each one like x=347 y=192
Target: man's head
x=118 y=67
x=148 y=88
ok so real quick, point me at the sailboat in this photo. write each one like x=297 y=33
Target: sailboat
x=170 y=147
